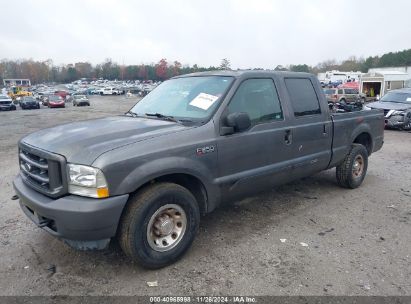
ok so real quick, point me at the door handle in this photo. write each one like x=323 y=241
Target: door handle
x=288 y=137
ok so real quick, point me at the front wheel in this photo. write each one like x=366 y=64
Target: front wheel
x=351 y=172
x=159 y=224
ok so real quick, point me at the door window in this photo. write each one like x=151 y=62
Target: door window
x=259 y=99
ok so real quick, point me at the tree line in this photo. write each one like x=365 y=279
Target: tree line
x=391 y=59
x=47 y=71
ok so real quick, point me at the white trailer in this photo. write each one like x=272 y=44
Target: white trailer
x=375 y=84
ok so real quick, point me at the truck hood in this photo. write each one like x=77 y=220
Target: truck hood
x=82 y=142
x=389 y=105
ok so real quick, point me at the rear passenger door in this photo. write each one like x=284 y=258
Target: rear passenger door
x=311 y=127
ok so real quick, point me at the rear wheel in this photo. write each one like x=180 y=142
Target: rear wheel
x=351 y=172
x=159 y=224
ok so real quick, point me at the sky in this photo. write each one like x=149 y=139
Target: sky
x=251 y=34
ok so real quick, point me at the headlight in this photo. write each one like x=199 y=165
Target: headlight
x=87 y=181
x=398 y=113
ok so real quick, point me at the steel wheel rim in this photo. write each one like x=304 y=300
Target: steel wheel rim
x=358 y=166
x=166 y=227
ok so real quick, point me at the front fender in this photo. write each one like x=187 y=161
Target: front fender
x=153 y=169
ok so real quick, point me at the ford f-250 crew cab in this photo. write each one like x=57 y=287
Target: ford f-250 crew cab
x=197 y=140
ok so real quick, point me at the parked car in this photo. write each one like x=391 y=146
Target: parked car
x=45 y=98
x=343 y=95
x=397 y=108
x=80 y=100
x=6 y=103
x=62 y=93
x=55 y=101
x=195 y=142
x=29 y=102
x=110 y=91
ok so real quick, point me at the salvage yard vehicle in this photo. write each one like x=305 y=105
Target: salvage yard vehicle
x=110 y=91
x=29 y=102
x=80 y=100
x=397 y=108
x=55 y=101
x=194 y=142
x=62 y=93
x=343 y=95
x=6 y=103
x=18 y=92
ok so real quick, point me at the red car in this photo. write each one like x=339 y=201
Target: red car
x=56 y=101
x=63 y=94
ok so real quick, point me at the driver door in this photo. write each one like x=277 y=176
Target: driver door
x=255 y=159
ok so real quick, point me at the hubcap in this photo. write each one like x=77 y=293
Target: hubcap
x=166 y=227
x=358 y=166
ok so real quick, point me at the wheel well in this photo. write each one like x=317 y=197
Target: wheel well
x=365 y=140
x=191 y=183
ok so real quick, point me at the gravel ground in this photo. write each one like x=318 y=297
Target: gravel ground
x=358 y=241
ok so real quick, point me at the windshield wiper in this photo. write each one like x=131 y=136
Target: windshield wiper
x=131 y=113
x=161 y=116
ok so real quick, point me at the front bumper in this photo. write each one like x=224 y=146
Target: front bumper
x=56 y=105
x=396 y=121
x=30 y=106
x=81 y=221
x=8 y=108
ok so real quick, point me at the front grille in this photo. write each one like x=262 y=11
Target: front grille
x=42 y=170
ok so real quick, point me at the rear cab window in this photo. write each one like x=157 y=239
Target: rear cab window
x=303 y=98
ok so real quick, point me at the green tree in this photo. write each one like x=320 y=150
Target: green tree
x=225 y=64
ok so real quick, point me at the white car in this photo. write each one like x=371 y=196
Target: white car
x=110 y=91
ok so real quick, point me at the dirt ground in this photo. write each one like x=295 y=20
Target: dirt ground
x=358 y=241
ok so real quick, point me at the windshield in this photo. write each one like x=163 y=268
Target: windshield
x=4 y=97
x=79 y=96
x=397 y=97
x=194 y=98
x=329 y=92
x=55 y=97
x=28 y=99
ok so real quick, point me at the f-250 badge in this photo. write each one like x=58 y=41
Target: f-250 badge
x=205 y=150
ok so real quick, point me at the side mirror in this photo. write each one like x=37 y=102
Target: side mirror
x=236 y=122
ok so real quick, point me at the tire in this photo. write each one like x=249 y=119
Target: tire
x=363 y=100
x=351 y=172
x=136 y=236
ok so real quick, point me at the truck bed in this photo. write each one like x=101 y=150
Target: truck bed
x=350 y=125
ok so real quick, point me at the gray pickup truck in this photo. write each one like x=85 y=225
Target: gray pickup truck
x=194 y=142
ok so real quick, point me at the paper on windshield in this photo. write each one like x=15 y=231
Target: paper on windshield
x=408 y=98
x=203 y=101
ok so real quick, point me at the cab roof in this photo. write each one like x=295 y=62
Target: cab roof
x=247 y=73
